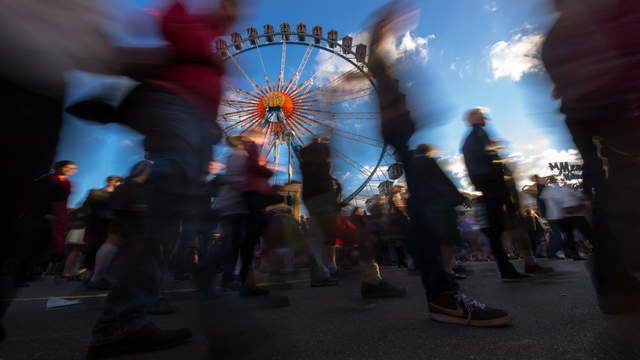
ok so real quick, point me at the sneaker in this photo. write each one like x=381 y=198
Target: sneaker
x=456 y=308
x=144 y=339
x=161 y=307
x=537 y=269
x=382 y=290
x=515 y=277
x=324 y=282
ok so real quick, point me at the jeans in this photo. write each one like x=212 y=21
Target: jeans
x=179 y=140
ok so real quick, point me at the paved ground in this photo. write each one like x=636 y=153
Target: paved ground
x=555 y=317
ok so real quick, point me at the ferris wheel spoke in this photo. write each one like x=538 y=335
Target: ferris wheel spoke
x=344 y=133
x=242 y=93
x=283 y=60
x=264 y=69
x=238 y=112
x=303 y=63
x=352 y=162
x=243 y=121
x=245 y=74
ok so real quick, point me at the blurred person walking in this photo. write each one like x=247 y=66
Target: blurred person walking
x=488 y=174
x=592 y=55
x=96 y=209
x=445 y=300
x=563 y=212
x=175 y=108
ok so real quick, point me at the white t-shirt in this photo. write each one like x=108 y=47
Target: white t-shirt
x=557 y=198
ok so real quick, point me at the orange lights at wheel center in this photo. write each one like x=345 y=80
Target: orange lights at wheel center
x=276 y=99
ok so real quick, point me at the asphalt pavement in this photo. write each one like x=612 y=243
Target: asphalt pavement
x=555 y=317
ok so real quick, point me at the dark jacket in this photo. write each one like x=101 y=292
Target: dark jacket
x=316 y=170
x=434 y=188
x=483 y=164
x=97 y=206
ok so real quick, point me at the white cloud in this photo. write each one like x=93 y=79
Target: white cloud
x=492 y=6
x=516 y=57
x=126 y=143
x=452 y=67
x=329 y=67
x=527 y=160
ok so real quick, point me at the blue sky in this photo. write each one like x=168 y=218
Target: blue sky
x=461 y=54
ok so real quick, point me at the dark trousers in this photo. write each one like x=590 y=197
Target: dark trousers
x=615 y=230
x=427 y=232
x=97 y=232
x=497 y=202
x=256 y=223
x=179 y=140
x=234 y=228
x=32 y=137
x=562 y=238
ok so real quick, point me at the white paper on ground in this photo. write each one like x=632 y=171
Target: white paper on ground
x=54 y=303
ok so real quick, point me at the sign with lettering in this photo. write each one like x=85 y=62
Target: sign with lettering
x=571 y=172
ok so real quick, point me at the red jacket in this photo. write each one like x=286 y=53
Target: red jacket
x=194 y=75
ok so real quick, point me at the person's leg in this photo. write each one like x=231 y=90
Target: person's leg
x=570 y=246
x=555 y=238
x=322 y=236
x=494 y=203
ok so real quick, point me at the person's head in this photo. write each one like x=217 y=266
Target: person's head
x=236 y=142
x=65 y=168
x=321 y=139
x=477 y=116
x=397 y=189
x=553 y=180
x=140 y=171
x=423 y=150
x=113 y=181
x=358 y=211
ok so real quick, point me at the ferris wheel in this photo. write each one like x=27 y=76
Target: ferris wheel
x=291 y=104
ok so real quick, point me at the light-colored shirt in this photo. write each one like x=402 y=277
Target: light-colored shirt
x=558 y=198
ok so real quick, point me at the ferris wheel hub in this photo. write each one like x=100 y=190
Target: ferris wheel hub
x=275 y=101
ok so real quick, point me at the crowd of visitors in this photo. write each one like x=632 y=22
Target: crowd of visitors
x=172 y=215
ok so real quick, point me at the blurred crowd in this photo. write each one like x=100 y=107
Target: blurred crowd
x=172 y=215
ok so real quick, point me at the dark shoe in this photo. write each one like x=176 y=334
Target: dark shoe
x=144 y=339
x=459 y=276
x=382 y=290
x=253 y=291
x=100 y=284
x=515 y=277
x=324 y=282
x=456 y=308
x=537 y=269
x=161 y=307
